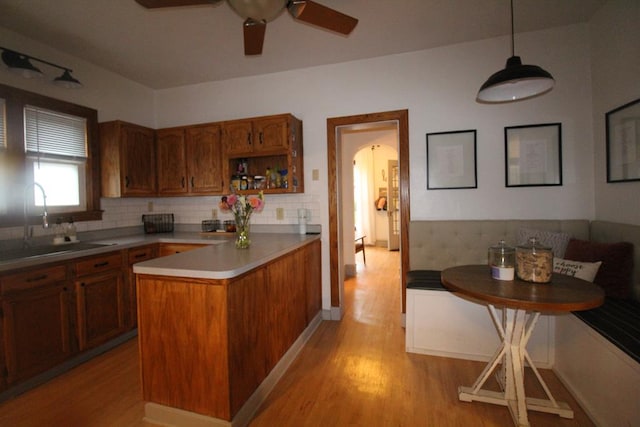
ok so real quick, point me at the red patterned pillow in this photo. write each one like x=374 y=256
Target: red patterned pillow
x=615 y=273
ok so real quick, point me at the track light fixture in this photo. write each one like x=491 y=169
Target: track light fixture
x=20 y=63
x=516 y=81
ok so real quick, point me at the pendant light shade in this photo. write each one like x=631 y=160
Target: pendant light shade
x=20 y=64
x=516 y=81
x=67 y=81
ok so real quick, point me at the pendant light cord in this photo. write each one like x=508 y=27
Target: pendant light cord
x=513 y=43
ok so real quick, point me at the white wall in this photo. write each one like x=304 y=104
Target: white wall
x=615 y=49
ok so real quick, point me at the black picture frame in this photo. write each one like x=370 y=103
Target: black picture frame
x=533 y=155
x=623 y=143
x=451 y=160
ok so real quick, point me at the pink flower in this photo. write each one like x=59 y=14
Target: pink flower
x=256 y=203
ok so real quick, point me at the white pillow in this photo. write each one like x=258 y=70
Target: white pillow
x=582 y=270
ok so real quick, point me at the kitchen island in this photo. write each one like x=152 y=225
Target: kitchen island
x=218 y=326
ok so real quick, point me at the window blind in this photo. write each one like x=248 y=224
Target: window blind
x=52 y=133
x=3 y=137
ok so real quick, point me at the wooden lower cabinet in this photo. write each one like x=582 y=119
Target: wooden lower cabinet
x=36 y=328
x=206 y=345
x=101 y=307
x=135 y=255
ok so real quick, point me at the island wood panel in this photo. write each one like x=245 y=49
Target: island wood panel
x=249 y=304
x=313 y=279
x=182 y=328
x=235 y=333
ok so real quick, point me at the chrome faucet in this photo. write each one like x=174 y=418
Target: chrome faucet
x=28 y=231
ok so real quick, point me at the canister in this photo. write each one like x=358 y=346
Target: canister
x=534 y=262
x=502 y=260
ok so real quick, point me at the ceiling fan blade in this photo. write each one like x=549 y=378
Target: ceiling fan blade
x=154 y=4
x=322 y=16
x=253 y=36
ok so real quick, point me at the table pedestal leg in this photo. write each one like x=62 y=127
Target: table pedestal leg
x=514 y=327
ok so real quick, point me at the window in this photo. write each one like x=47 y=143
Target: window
x=56 y=154
x=3 y=163
x=53 y=143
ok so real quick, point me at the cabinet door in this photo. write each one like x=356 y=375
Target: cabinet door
x=172 y=162
x=100 y=308
x=136 y=255
x=313 y=279
x=36 y=329
x=138 y=161
x=271 y=134
x=204 y=164
x=238 y=137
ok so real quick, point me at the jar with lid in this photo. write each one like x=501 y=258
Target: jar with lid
x=502 y=259
x=235 y=182
x=534 y=262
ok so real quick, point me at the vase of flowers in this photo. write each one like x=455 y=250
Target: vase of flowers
x=242 y=207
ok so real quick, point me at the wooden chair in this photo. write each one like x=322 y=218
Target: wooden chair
x=360 y=248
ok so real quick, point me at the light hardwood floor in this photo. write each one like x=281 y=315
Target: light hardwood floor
x=351 y=373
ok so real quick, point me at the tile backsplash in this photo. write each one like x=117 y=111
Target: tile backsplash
x=127 y=212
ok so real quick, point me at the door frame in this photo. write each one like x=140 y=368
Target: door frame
x=402 y=117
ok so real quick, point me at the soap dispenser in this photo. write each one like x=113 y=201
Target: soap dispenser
x=71 y=231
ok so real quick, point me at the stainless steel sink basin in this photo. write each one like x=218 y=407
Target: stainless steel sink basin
x=47 y=250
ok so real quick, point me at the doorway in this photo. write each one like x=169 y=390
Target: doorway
x=337 y=219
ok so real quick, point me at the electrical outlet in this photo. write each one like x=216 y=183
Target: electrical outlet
x=279 y=214
x=150 y=207
x=214 y=213
x=315 y=174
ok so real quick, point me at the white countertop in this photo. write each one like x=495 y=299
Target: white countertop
x=263 y=244
x=221 y=260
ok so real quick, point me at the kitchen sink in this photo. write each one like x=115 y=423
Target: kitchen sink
x=47 y=250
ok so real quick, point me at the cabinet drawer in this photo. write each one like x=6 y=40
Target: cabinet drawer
x=98 y=264
x=32 y=279
x=141 y=254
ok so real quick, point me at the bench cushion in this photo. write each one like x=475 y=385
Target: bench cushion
x=424 y=279
x=618 y=320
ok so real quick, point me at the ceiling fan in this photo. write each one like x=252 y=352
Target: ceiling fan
x=258 y=12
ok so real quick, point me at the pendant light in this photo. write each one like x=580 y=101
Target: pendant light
x=516 y=81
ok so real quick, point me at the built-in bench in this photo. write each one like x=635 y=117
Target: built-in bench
x=596 y=353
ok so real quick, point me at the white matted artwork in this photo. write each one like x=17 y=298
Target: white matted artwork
x=533 y=155
x=451 y=160
x=623 y=143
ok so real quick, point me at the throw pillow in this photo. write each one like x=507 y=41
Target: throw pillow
x=557 y=241
x=615 y=273
x=582 y=270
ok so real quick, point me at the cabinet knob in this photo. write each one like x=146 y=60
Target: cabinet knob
x=261 y=138
x=126 y=181
x=193 y=181
x=183 y=182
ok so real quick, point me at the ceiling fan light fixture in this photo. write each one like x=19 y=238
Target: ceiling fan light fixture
x=20 y=64
x=67 y=81
x=516 y=81
x=258 y=10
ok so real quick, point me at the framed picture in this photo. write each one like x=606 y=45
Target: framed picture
x=451 y=160
x=623 y=143
x=533 y=155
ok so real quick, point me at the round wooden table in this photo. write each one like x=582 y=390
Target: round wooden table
x=520 y=304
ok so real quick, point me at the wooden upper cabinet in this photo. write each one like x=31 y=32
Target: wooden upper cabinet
x=128 y=160
x=204 y=159
x=172 y=161
x=238 y=137
x=189 y=160
x=272 y=133
x=258 y=135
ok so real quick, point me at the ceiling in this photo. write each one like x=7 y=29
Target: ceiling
x=165 y=48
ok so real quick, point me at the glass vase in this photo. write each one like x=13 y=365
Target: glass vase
x=242 y=236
